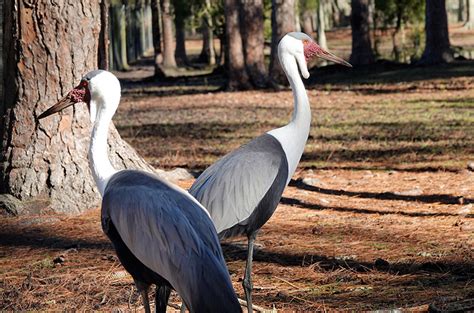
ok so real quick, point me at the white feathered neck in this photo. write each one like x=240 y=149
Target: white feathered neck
x=293 y=136
x=99 y=161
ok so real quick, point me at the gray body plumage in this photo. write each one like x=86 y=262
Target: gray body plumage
x=242 y=190
x=171 y=235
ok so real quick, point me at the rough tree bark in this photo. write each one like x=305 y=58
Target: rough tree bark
x=283 y=21
x=254 y=41
x=470 y=14
x=167 y=27
x=437 y=48
x=46 y=161
x=362 y=53
x=238 y=78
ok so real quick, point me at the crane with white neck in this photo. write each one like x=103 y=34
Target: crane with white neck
x=161 y=234
x=242 y=190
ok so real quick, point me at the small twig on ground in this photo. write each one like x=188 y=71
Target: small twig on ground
x=254 y=307
x=263 y=288
x=299 y=290
x=287 y=282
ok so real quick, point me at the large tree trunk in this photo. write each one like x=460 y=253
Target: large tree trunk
x=470 y=14
x=208 y=53
x=238 y=78
x=437 y=48
x=254 y=41
x=283 y=22
x=361 y=48
x=44 y=163
x=168 y=43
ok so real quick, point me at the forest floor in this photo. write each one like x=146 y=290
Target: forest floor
x=380 y=214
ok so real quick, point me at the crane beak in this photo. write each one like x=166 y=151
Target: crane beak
x=312 y=49
x=61 y=105
x=78 y=94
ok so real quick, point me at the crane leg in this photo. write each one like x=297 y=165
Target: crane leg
x=143 y=290
x=247 y=282
x=161 y=298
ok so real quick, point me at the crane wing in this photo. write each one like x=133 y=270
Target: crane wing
x=232 y=188
x=167 y=231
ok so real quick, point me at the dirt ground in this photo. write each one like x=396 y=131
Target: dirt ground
x=380 y=214
x=340 y=240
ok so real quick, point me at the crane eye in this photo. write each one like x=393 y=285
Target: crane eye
x=84 y=83
x=305 y=42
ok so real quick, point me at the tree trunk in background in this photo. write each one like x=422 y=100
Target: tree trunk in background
x=254 y=41
x=322 y=25
x=308 y=23
x=470 y=14
x=361 y=48
x=168 y=45
x=297 y=16
x=156 y=29
x=397 y=43
x=103 y=55
x=44 y=163
x=461 y=10
x=1 y=63
x=437 y=48
x=322 y=42
x=148 y=20
x=180 y=52
x=283 y=22
x=131 y=34
x=208 y=53
x=238 y=78
x=119 y=37
x=139 y=30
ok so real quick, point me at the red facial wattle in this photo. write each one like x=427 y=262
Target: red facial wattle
x=311 y=50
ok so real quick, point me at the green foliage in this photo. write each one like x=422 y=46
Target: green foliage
x=307 y=5
x=401 y=11
x=417 y=38
x=267 y=22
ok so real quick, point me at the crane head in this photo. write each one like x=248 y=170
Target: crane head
x=97 y=89
x=304 y=49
